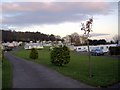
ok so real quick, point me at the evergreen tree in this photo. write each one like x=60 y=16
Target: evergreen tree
x=60 y=56
x=33 y=54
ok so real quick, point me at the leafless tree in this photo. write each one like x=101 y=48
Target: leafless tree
x=87 y=28
x=116 y=38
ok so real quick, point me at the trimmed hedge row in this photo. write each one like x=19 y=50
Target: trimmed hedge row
x=114 y=50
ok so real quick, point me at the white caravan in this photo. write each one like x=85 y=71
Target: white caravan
x=33 y=45
x=105 y=48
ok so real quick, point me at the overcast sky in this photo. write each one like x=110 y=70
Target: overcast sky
x=60 y=18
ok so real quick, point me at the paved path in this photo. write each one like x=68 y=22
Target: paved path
x=115 y=86
x=27 y=74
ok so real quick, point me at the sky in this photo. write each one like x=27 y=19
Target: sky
x=61 y=17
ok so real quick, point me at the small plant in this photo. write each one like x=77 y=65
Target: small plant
x=33 y=54
x=60 y=56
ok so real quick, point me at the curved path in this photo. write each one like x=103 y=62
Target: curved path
x=27 y=74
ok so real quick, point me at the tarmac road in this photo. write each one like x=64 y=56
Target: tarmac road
x=27 y=74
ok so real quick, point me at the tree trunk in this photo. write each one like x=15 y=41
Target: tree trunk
x=90 y=71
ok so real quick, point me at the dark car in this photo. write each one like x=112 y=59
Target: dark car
x=7 y=48
x=97 y=52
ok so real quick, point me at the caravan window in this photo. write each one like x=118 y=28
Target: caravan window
x=101 y=47
x=79 y=48
x=107 y=47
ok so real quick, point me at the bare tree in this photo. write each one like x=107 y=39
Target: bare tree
x=116 y=38
x=75 y=38
x=67 y=40
x=82 y=39
x=87 y=29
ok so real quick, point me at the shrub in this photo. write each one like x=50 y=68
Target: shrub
x=33 y=54
x=114 y=50
x=60 y=55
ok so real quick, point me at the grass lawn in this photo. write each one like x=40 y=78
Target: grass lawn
x=0 y=68
x=0 y=76
x=6 y=74
x=104 y=69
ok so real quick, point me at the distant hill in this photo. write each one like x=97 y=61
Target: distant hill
x=9 y=35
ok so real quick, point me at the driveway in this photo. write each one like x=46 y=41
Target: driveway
x=27 y=74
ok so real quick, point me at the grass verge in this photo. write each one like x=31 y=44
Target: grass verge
x=104 y=69
x=0 y=76
x=6 y=74
x=0 y=67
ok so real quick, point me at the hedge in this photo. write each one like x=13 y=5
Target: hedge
x=114 y=50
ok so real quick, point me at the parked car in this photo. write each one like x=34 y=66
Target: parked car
x=97 y=52
x=7 y=48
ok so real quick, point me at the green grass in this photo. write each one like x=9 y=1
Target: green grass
x=6 y=74
x=0 y=68
x=0 y=76
x=104 y=69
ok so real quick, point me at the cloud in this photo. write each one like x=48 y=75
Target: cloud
x=60 y=0
x=98 y=34
x=23 y=13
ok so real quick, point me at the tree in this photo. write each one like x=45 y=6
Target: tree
x=52 y=37
x=102 y=41
x=87 y=29
x=83 y=40
x=116 y=38
x=26 y=36
x=111 y=42
x=75 y=38
x=60 y=56
x=94 y=42
x=33 y=54
x=67 y=40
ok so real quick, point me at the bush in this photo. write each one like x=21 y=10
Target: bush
x=60 y=55
x=114 y=50
x=33 y=54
